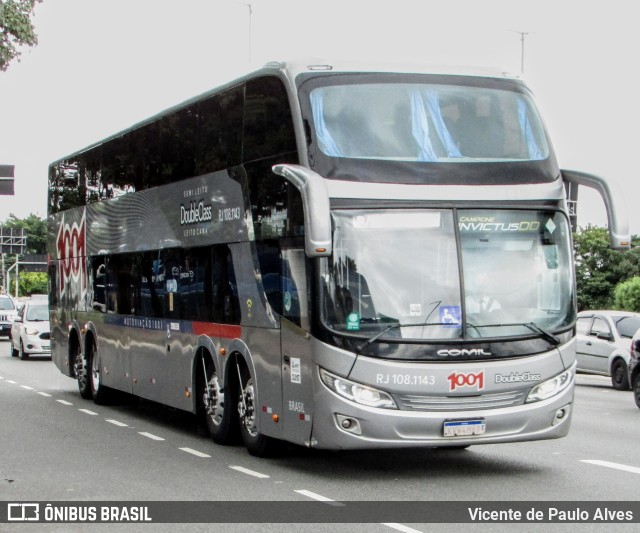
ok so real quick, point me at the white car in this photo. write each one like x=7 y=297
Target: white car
x=30 y=333
x=8 y=312
x=604 y=339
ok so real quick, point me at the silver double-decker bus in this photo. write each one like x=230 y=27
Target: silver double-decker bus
x=336 y=256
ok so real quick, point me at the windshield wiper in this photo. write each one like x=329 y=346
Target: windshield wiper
x=397 y=325
x=551 y=339
x=532 y=326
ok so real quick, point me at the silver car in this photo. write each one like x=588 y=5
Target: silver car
x=604 y=339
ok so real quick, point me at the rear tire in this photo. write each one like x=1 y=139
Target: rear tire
x=81 y=369
x=619 y=375
x=101 y=394
x=216 y=404
x=256 y=443
x=14 y=352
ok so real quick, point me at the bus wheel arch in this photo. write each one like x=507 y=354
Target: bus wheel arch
x=215 y=399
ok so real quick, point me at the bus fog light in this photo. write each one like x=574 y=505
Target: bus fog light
x=349 y=424
x=553 y=386
x=561 y=414
x=361 y=394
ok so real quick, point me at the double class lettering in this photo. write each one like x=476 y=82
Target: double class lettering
x=195 y=213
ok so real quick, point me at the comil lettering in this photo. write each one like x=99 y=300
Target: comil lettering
x=195 y=213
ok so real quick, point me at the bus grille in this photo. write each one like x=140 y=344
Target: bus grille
x=461 y=403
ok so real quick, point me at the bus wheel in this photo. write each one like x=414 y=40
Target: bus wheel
x=256 y=443
x=81 y=372
x=619 y=378
x=99 y=392
x=217 y=407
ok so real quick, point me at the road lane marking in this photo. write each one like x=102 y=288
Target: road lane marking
x=11 y=381
x=194 y=452
x=44 y=394
x=150 y=435
x=249 y=472
x=116 y=423
x=92 y=413
x=318 y=497
x=616 y=466
x=26 y=387
x=400 y=527
x=64 y=402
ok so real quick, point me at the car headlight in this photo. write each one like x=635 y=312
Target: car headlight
x=552 y=386
x=31 y=331
x=356 y=392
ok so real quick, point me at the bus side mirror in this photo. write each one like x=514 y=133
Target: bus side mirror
x=315 y=202
x=616 y=212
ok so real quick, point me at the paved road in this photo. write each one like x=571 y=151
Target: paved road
x=55 y=446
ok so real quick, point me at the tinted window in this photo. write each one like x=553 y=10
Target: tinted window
x=276 y=205
x=600 y=326
x=582 y=325
x=219 y=143
x=268 y=126
x=627 y=326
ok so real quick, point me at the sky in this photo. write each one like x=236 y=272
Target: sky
x=103 y=65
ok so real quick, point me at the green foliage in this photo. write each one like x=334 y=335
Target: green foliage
x=36 y=230
x=599 y=269
x=627 y=295
x=16 y=29
x=30 y=283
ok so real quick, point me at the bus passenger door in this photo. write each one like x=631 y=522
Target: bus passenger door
x=297 y=364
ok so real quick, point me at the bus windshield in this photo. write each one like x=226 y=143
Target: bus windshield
x=422 y=122
x=401 y=268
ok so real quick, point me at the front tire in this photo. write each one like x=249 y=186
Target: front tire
x=619 y=377
x=22 y=353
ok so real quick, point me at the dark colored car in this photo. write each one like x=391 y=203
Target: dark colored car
x=634 y=367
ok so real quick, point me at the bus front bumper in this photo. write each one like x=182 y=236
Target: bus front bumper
x=341 y=424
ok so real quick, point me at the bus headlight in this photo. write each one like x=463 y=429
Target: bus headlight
x=356 y=392
x=552 y=386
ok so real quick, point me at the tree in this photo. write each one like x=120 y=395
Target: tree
x=599 y=268
x=627 y=295
x=16 y=29
x=36 y=230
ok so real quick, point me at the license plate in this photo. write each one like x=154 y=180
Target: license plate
x=464 y=428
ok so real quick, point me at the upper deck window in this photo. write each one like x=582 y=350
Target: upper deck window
x=419 y=122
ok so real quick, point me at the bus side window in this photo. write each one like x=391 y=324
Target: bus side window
x=98 y=281
x=270 y=270
x=294 y=286
x=226 y=305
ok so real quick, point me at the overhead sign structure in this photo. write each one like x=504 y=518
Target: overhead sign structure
x=6 y=180
x=12 y=240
